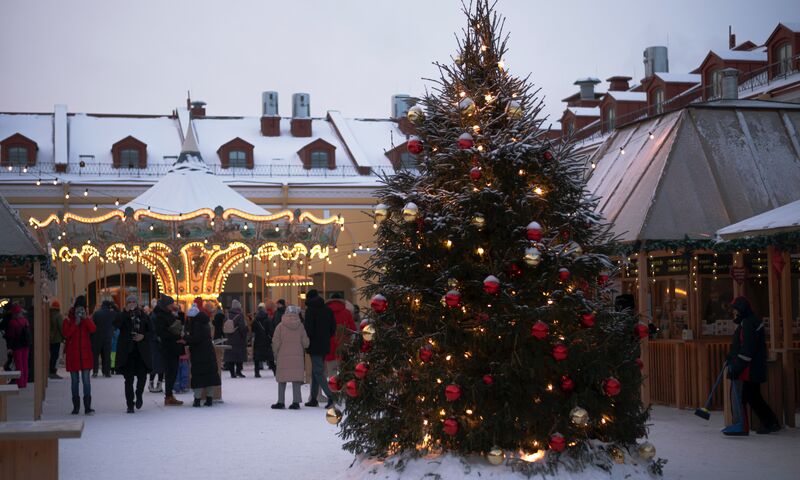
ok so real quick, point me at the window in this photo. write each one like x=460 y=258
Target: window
x=18 y=156
x=129 y=158
x=408 y=161
x=784 y=59
x=319 y=159
x=611 y=115
x=658 y=100
x=237 y=159
x=716 y=84
x=570 y=128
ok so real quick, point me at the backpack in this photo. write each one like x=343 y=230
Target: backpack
x=228 y=327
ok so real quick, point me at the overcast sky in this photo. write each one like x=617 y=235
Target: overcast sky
x=141 y=56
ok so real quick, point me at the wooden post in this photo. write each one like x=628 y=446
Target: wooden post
x=643 y=305
x=786 y=299
x=39 y=343
x=775 y=331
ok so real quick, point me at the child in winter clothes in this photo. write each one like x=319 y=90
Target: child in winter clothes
x=182 y=380
x=289 y=343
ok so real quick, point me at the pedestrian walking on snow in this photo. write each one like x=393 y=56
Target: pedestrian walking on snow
x=262 y=337
x=320 y=327
x=169 y=330
x=235 y=330
x=77 y=329
x=205 y=374
x=103 y=319
x=133 y=359
x=289 y=343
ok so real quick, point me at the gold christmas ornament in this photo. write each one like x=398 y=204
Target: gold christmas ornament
x=647 y=451
x=333 y=415
x=452 y=283
x=496 y=456
x=579 y=416
x=479 y=222
x=381 y=212
x=416 y=114
x=617 y=454
x=467 y=105
x=533 y=256
x=514 y=109
x=459 y=60
x=410 y=212
x=368 y=333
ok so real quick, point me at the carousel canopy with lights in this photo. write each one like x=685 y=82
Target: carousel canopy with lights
x=190 y=230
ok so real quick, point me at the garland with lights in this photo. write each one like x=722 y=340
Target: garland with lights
x=492 y=329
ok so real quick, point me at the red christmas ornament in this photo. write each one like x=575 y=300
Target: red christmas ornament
x=379 y=303
x=534 y=231
x=452 y=392
x=491 y=285
x=453 y=299
x=475 y=174
x=640 y=363
x=560 y=352
x=557 y=442
x=414 y=145
x=563 y=274
x=567 y=384
x=451 y=426
x=547 y=155
x=488 y=380
x=514 y=270
x=611 y=386
x=465 y=141
x=587 y=320
x=351 y=388
x=602 y=279
x=641 y=331
x=539 y=330
x=361 y=370
x=334 y=385
x=426 y=353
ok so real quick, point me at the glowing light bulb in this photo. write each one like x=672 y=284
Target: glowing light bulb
x=94 y=208
x=116 y=202
x=86 y=192
x=38 y=182
x=621 y=151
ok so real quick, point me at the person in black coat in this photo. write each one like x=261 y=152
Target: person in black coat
x=219 y=321
x=748 y=363
x=320 y=327
x=134 y=358
x=262 y=339
x=205 y=373
x=103 y=318
x=169 y=330
x=276 y=318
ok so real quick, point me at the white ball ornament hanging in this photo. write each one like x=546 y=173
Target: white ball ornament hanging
x=381 y=212
x=410 y=212
x=514 y=109
x=467 y=106
x=415 y=114
x=533 y=256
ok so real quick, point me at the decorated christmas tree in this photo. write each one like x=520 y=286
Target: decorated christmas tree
x=492 y=329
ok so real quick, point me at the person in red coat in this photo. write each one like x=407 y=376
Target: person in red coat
x=345 y=326
x=77 y=327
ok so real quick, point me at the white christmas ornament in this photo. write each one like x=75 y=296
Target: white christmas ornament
x=381 y=212
x=410 y=212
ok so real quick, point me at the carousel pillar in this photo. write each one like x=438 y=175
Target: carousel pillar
x=255 y=287
x=643 y=303
x=138 y=281
x=85 y=262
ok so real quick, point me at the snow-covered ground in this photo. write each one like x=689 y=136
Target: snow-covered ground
x=243 y=439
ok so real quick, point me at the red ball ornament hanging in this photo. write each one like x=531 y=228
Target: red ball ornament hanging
x=414 y=145
x=475 y=174
x=361 y=370
x=534 y=231
x=451 y=426
x=453 y=299
x=465 y=141
x=514 y=270
x=491 y=285
x=641 y=331
x=539 y=330
x=488 y=380
x=426 y=353
x=351 y=388
x=602 y=279
x=557 y=442
x=611 y=386
x=379 y=303
x=560 y=352
x=567 y=384
x=452 y=392
x=334 y=385
x=587 y=320
x=563 y=274
x=547 y=155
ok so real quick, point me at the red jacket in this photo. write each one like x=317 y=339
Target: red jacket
x=78 y=344
x=344 y=320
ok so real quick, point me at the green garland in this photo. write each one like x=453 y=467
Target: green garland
x=783 y=241
x=22 y=260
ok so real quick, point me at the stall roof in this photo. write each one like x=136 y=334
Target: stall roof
x=17 y=239
x=705 y=168
x=778 y=220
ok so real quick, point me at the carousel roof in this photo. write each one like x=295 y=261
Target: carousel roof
x=778 y=220
x=190 y=186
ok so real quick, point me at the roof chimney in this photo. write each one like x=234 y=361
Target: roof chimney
x=270 y=120
x=197 y=109
x=587 y=87
x=730 y=84
x=618 y=83
x=400 y=105
x=301 y=115
x=656 y=60
x=731 y=38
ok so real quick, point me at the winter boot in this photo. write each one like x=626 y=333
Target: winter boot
x=330 y=403
x=172 y=402
x=139 y=400
x=76 y=405
x=278 y=406
x=735 y=430
x=209 y=401
x=312 y=403
x=294 y=406
x=87 y=405
x=196 y=403
x=130 y=409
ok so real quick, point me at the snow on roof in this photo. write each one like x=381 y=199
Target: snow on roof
x=368 y=140
x=742 y=56
x=586 y=80
x=585 y=111
x=37 y=127
x=628 y=96
x=679 y=77
x=793 y=26
x=781 y=219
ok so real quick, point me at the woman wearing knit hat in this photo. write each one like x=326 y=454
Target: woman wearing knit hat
x=77 y=328
x=134 y=359
x=236 y=332
x=205 y=374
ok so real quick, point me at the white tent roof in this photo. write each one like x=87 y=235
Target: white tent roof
x=781 y=219
x=190 y=186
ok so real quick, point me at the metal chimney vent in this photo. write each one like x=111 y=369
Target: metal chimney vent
x=269 y=104
x=401 y=103
x=301 y=105
x=655 y=61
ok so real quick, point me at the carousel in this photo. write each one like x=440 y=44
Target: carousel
x=184 y=237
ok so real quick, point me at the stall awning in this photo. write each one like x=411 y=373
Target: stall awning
x=778 y=220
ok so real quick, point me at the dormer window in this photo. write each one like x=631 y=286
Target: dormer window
x=18 y=151
x=658 y=100
x=318 y=154
x=237 y=159
x=129 y=152
x=611 y=117
x=18 y=156
x=716 y=83
x=784 y=59
x=236 y=154
x=319 y=159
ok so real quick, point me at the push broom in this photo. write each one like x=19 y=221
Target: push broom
x=703 y=412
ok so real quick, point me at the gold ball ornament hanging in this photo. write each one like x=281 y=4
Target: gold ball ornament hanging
x=579 y=416
x=333 y=416
x=617 y=454
x=459 y=60
x=452 y=283
x=368 y=333
x=410 y=212
x=479 y=221
x=514 y=109
x=533 y=256
x=647 y=451
x=496 y=456
x=381 y=212
x=416 y=114
x=467 y=106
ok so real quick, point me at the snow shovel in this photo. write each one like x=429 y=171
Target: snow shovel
x=737 y=429
x=703 y=412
